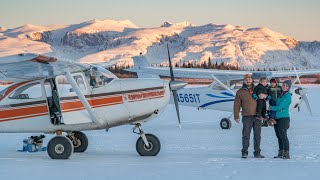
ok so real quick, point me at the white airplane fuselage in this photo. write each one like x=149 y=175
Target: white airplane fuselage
x=217 y=99
x=121 y=101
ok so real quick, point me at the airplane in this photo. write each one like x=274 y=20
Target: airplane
x=51 y=95
x=219 y=95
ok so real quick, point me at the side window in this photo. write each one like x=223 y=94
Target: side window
x=79 y=80
x=64 y=87
x=28 y=91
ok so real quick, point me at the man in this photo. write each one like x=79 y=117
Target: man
x=245 y=101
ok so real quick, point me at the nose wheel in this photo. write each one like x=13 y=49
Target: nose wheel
x=147 y=144
x=225 y=123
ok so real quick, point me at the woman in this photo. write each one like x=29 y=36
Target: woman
x=283 y=119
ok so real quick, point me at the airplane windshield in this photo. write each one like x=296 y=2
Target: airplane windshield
x=99 y=77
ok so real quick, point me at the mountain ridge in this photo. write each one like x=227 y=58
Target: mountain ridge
x=117 y=41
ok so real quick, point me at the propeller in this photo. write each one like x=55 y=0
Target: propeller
x=303 y=92
x=174 y=86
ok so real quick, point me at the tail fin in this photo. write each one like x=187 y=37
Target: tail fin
x=141 y=62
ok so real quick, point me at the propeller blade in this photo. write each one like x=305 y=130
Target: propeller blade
x=305 y=99
x=175 y=86
x=298 y=77
x=175 y=99
x=170 y=64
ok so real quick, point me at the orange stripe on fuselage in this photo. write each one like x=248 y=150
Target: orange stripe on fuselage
x=74 y=105
x=12 y=113
x=27 y=116
x=77 y=105
x=145 y=95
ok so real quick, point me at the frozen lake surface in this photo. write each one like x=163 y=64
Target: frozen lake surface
x=200 y=150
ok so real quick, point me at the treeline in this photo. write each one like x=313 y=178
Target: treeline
x=119 y=71
x=207 y=65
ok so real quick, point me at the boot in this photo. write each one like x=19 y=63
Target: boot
x=244 y=155
x=286 y=155
x=258 y=155
x=264 y=123
x=280 y=154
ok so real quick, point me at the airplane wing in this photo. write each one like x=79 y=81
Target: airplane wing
x=223 y=75
x=28 y=66
x=142 y=66
x=294 y=73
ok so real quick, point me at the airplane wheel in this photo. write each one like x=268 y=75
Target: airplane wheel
x=79 y=141
x=60 y=147
x=154 y=146
x=225 y=123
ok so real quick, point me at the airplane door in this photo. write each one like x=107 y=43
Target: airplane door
x=27 y=102
x=73 y=111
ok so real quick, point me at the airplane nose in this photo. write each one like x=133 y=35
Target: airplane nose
x=176 y=85
x=303 y=97
x=301 y=91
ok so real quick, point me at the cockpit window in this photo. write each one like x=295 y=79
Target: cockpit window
x=64 y=87
x=99 y=77
x=3 y=92
x=29 y=91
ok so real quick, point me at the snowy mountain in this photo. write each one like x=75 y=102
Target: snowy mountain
x=117 y=41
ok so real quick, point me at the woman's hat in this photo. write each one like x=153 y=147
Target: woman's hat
x=288 y=82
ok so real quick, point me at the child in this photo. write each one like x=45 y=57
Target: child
x=274 y=92
x=261 y=88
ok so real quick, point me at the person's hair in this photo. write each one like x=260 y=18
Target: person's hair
x=263 y=79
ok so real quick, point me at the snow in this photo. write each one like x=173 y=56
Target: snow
x=10 y=46
x=200 y=150
x=96 y=25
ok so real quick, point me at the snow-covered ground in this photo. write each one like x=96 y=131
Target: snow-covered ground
x=200 y=150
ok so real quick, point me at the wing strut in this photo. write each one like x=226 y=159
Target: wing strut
x=223 y=85
x=81 y=97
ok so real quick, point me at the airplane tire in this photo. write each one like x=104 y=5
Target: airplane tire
x=225 y=123
x=60 y=147
x=80 y=142
x=153 y=149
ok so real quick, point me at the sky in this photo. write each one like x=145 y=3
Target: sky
x=295 y=18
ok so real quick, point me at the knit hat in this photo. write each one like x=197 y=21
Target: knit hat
x=273 y=80
x=288 y=82
x=247 y=76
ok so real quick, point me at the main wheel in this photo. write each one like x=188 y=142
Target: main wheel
x=225 y=123
x=60 y=147
x=152 y=150
x=79 y=141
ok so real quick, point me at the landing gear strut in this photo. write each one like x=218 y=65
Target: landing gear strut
x=147 y=144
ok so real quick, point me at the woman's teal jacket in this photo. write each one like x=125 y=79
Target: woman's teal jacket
x=282 y=106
